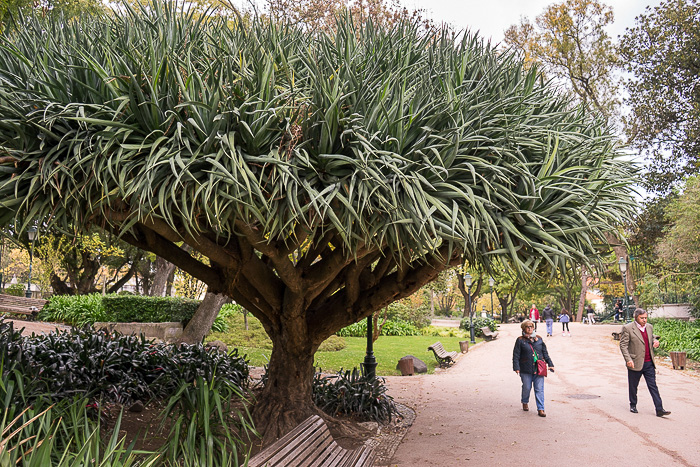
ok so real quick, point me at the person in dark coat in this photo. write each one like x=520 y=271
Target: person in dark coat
x=548 y=316
x=528 y=349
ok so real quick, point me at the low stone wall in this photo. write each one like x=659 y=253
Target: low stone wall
x=678 y=311
x=166 y=332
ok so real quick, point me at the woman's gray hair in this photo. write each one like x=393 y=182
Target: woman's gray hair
x=639 y=311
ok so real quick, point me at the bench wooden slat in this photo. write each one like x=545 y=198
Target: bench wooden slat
x=285 y=443
x=311 y=445
x=333 y=459
x=362 y=456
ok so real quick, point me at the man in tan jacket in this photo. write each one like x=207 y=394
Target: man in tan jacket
x=637 y=344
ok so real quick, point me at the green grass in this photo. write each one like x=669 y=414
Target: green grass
x=387 y=349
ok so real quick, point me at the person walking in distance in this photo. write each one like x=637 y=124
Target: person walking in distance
x=548 y=316
x=618 y=310
x=529 y=348
x=590 y=314
x=534 y=315
x=564 y=319
x=637 y=345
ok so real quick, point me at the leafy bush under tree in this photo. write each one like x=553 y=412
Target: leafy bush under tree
x=479 y=323
x=111 y=366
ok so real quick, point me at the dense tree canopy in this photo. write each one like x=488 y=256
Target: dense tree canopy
x=661 y=52
x=321 y=177
x=568 y=40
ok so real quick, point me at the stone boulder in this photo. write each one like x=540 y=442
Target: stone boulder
x=419 y=365
x=218 y=345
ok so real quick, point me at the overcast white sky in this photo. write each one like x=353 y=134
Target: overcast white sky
x=492 y=17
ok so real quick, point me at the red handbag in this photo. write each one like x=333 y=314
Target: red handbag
x=541 y=369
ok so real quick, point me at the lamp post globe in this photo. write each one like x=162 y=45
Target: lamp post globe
x=468 y=283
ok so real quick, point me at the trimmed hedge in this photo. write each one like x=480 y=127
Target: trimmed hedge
x=136 y=308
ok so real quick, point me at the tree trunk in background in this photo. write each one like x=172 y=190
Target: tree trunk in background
x=582 y=298
x=164 y=269
x=200 y=324
x=169 y=285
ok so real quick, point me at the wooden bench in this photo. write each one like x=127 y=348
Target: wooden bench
x=311 y=445
x=489 y=335
x=29 y=307
x=443 y=357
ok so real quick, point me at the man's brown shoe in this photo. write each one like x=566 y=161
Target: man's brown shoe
x=541 y=413
x=525 y=407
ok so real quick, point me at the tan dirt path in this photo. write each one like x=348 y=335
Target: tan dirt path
x=471 y=413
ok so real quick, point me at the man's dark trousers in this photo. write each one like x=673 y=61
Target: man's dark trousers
x=649 y=372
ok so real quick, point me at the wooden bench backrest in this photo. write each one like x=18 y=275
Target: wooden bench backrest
x=438 y=349
x=22 y=301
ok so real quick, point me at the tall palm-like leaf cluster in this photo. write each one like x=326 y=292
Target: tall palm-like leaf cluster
x=322 y=176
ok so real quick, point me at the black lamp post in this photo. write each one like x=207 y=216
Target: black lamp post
x=491 y=282
x=31 y=234
x=468 y=283
x=370 y=363
x=623 y=270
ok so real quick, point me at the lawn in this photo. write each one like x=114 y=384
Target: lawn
x=387 y=349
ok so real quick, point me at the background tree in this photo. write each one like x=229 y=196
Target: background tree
x=322 y=176
x=661 y=53
x=568 y=40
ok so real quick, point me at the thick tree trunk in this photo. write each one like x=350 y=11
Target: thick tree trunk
x=160 y=279
x=200 y=324
x=286 y=399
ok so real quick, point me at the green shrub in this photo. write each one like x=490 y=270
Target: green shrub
x=444 y=332
x=135 y=308
x=358 y=329
x=332 y=344
x=399 y=328
x=404 y=310
x=352 y=393
x=678 y=336
x=76 y=310
x=479 y=323
x=390 y=328
x=16 y=290
x=112 y=366
x=207 y=422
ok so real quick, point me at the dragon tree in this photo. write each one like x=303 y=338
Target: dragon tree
x=319 y=175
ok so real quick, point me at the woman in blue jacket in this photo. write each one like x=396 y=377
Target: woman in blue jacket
x=528 y=349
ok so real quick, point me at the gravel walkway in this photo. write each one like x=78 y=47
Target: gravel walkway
x=471 y=413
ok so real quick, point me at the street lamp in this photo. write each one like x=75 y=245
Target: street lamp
x=468 y=283
x=370 y=363
x=31 y=234
x=623 y=270
x=491 y=282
